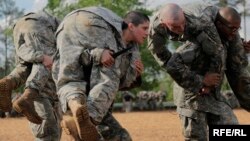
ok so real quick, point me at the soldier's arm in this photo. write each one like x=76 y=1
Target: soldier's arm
x=209 y=38
x=157 y=47
x=103 y=56
x=237 y=54
x=104 y=86
x=237 y=72
x=212 y=46
x=30 y=48
x=132 y=77
x=182 y=74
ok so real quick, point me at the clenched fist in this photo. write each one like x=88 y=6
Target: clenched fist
x=212 y=79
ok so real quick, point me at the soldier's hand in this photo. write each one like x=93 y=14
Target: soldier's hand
x=246 y=45
x=47 y=61
x=107 y=60
x=139 y=67
x=212 y=79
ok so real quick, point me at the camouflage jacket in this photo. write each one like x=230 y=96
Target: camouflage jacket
x=237 y=72
x=187 y=67
x=199 y=28
x=82 y=40
x=34 y=36
x=236 y=64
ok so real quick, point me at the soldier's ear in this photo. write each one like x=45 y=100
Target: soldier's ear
x=131 y=26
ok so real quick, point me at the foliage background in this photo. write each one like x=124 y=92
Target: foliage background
x=154 y=77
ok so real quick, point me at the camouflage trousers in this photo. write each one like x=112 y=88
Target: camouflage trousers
x=111 y=130
x=20 y=74
x=35 y=75
x=38 y=76
x=51 y=113
x=196 y=128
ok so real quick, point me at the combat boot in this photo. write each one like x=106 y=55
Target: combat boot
x=85 y=128
x=69 y=127
x=6 y=87
x=25 y=105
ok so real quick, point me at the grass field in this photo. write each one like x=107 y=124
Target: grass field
x=143 y=126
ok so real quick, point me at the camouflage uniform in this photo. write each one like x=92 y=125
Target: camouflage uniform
x=82 y=40
x=192 y=107
x=237 y=73
x=161 y=97
x=127 y=100
x=196 y=30
x=143 y=100
x=187 y=67
x=207 y=36
x=33 y=37
x=231 y=98
x=111 y=130
x=20 y=73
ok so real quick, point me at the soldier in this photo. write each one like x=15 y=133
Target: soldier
x=96 y=35
x=205 y=33
x=143 y=100
x=161 y=97
x=199 y=104
x=178 y=24
x=152 y=100
x=127 y=100
x=35 y=44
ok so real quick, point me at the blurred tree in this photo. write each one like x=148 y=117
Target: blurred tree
x=8 y=13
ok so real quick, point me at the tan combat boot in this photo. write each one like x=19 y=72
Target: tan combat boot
x=25 y=105
x=6 y=87
x=85 y=128
x=69 y=127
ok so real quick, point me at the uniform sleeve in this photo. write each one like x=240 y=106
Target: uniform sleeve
x=237 y=73
x=237 y=55
x=157 y=47
x=103 y=88
x=210 y=40
x=130 y=79
x=179 y=70
x=96 y=54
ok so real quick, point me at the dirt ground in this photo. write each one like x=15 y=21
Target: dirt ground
x=143 y=126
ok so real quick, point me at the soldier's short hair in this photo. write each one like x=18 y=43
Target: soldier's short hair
x=136 y=17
